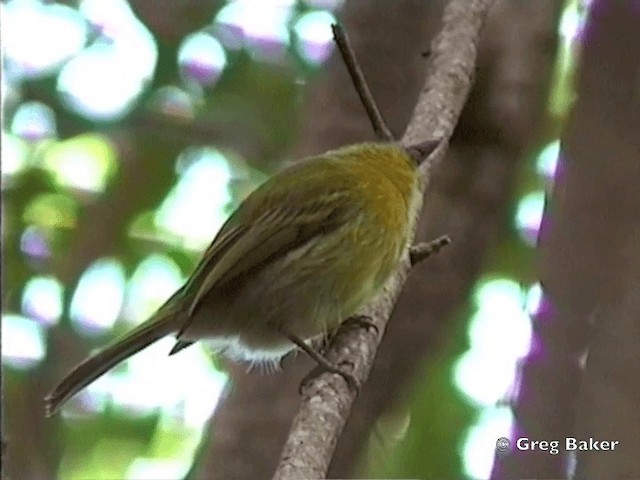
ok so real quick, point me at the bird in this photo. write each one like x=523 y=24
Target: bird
x=302 y=253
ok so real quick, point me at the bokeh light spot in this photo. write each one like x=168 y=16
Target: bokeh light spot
x=97 y=84
x=42 y=299
x=500 y=335
x=155 y=279
x=547 y=160
x=157 y=469
x=113 y=19
x=106 y=458
x=98 y=298
x=51 y=210
x=174 y=102
x=492 y=293
x=14 y=155
x=34 y=243
x=33 y=121
x=534 y=299
x=104 y=81
x=486 y=373
x=193 y=210
x=37 y=37
x=228 y=26
x=479 y=446
x=316 y=39
x=202 y=58
x=264 y=26
x=500 y=318
x=85 y=162
x=484 y=380
x=570 y=22
x=23 y=343
x=529 y=216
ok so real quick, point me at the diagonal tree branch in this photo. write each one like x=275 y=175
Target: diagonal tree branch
x=327 y=399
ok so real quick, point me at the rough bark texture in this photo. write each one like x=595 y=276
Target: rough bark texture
x=469 y=200
x=589 y=264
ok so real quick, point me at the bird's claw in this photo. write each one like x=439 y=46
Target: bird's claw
x=319 y=369
x=361 y=321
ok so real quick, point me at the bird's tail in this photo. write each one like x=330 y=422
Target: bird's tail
x=163 y=323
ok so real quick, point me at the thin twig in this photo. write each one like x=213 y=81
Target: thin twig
x=424 y=250
x=378 y=123
x=327 y=399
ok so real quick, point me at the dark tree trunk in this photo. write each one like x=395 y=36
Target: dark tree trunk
x=589 y=264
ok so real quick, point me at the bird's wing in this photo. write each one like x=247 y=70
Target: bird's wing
x=227 y=236
x=274 y=233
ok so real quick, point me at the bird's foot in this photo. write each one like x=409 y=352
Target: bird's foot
x=327 y=367
x=323 y=365
x=361 y=321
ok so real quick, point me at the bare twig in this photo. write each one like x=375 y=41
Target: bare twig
x=327 y=399
x=380 y=126
x=424 y=250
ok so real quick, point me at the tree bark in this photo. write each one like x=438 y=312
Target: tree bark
x=604 y=141
x=589 y=262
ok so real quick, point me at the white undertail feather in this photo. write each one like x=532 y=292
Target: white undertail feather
x=265 y=366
